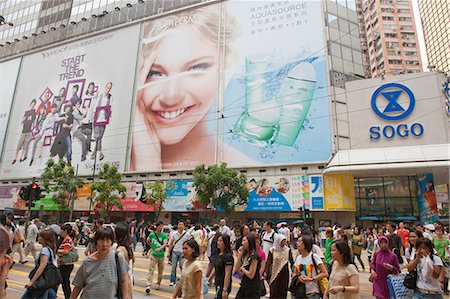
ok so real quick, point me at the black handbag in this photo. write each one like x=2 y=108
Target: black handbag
x=296 y=288
x=49 y=279
x=410 y=281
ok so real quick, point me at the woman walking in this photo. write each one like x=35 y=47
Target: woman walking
x=247 y=265
x=385 y=262
x=429 y=267
x=124 y=247
x=65 y=268
x=410 y=252
x=309 y=267
x=190 y=284
x=278 y=268
x=344 y=278
x=357 y=244
x=47 y=256
x=99 y=274
x=223 y=267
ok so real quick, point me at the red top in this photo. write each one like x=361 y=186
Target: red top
x=66 y=245
x=404 y=234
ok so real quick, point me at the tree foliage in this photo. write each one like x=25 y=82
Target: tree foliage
x=220 y=186
x=108 y=190
x=155 y=194
x=64 y=185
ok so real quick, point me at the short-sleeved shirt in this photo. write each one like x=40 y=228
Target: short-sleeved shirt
x=188 y=279
x=50 y=255
x=428 y=283
x=404 y=234
x=225 y=230
x=66 y=245
x=340 y=276
x=328 y=257
x=248 y=283
x=32 y=232
x=175 y=235
x=305 y=266
x=158 y=240
x=440 y=245
x=98 y=278
x=223 y=260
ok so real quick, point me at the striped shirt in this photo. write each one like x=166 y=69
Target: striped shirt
x=66 y=245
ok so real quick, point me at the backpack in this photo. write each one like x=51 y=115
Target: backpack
x=271 y=240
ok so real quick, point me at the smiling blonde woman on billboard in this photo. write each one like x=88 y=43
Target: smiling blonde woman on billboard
x=178 y=84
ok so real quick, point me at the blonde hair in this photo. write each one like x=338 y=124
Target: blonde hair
x=208 y=21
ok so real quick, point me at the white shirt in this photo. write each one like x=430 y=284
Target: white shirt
x=22 y=232
x=225 y=230
x=210 y=239
x=32 y=232
x=308 y=264
x=175 y=235
x=317 y=251
x=428 y=283
x=267 y=241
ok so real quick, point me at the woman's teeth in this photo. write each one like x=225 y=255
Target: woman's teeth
x=171 y=114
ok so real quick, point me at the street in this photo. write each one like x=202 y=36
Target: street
x=18 y=276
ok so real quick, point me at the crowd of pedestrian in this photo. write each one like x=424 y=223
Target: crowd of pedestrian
x=269 y=260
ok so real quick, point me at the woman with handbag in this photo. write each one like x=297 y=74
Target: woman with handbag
x=429 y=267
x=65 y=261
x=247 y=266
x=344 y=278
x=278 y=268
x=384 y=263
x=309 y=269
x=104 y=273
x=47 y=256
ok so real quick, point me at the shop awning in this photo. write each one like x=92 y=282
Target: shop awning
x=395 y=159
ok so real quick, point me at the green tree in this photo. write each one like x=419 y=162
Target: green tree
x=220 y=186
x=108 y=190
x=156 y=195
x=59 y=178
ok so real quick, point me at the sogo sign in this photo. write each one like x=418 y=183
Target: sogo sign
x=394 y=111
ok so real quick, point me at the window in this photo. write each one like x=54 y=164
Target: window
x=391 y=35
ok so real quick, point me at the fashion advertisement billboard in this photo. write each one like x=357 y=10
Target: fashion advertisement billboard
x=177 y=91
x=275 y=106
x=9 y=198
x=8 y=78
x=73 y=102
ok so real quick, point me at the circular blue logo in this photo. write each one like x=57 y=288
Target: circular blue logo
x=391 y=93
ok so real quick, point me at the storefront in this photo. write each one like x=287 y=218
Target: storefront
x=398 y=146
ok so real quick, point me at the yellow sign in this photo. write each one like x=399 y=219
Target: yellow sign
x=83 y=193
x=339 y=192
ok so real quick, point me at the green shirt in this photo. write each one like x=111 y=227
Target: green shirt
x=439 y=245
x=158 y=241
x=328 y=257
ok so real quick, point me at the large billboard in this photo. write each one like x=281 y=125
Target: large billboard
x=73 y=102
x=232 y=82
x=275 y=106
x=8 y=77
x=177 y=91
x=426 y=199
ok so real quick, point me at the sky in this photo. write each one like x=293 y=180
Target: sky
x=423 y=52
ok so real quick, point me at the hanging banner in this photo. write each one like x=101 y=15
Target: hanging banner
x=426 y=199
x=9 y=197
x=316 y=192
x=339 y=192
x=73 y=102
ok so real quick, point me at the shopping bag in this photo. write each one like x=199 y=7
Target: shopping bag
x=396 y=288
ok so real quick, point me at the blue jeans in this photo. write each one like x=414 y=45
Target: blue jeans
x=177 y=258
x=47 y=294
x=68 y=142
x=419 y=295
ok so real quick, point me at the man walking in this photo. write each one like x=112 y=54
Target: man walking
x=32 y=233
x=177 y=238
x=18 y=241
x=158 y=240
x=268 y=236
x=224 y=229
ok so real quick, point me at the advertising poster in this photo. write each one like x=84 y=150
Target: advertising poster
x=73 y=102
x=177 y=92
x=8 y=77
x=82 y=202
x=132 y=201
x=181 y=196
x=9 y=198
x=426 y=199
x=275 y=106
x=275 y=194
x=316 y=192
x=339 y=192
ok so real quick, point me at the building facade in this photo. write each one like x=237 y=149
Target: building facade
x=434 y=16
x=392 y=42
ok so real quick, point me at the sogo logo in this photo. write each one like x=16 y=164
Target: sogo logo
x=390 y=93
